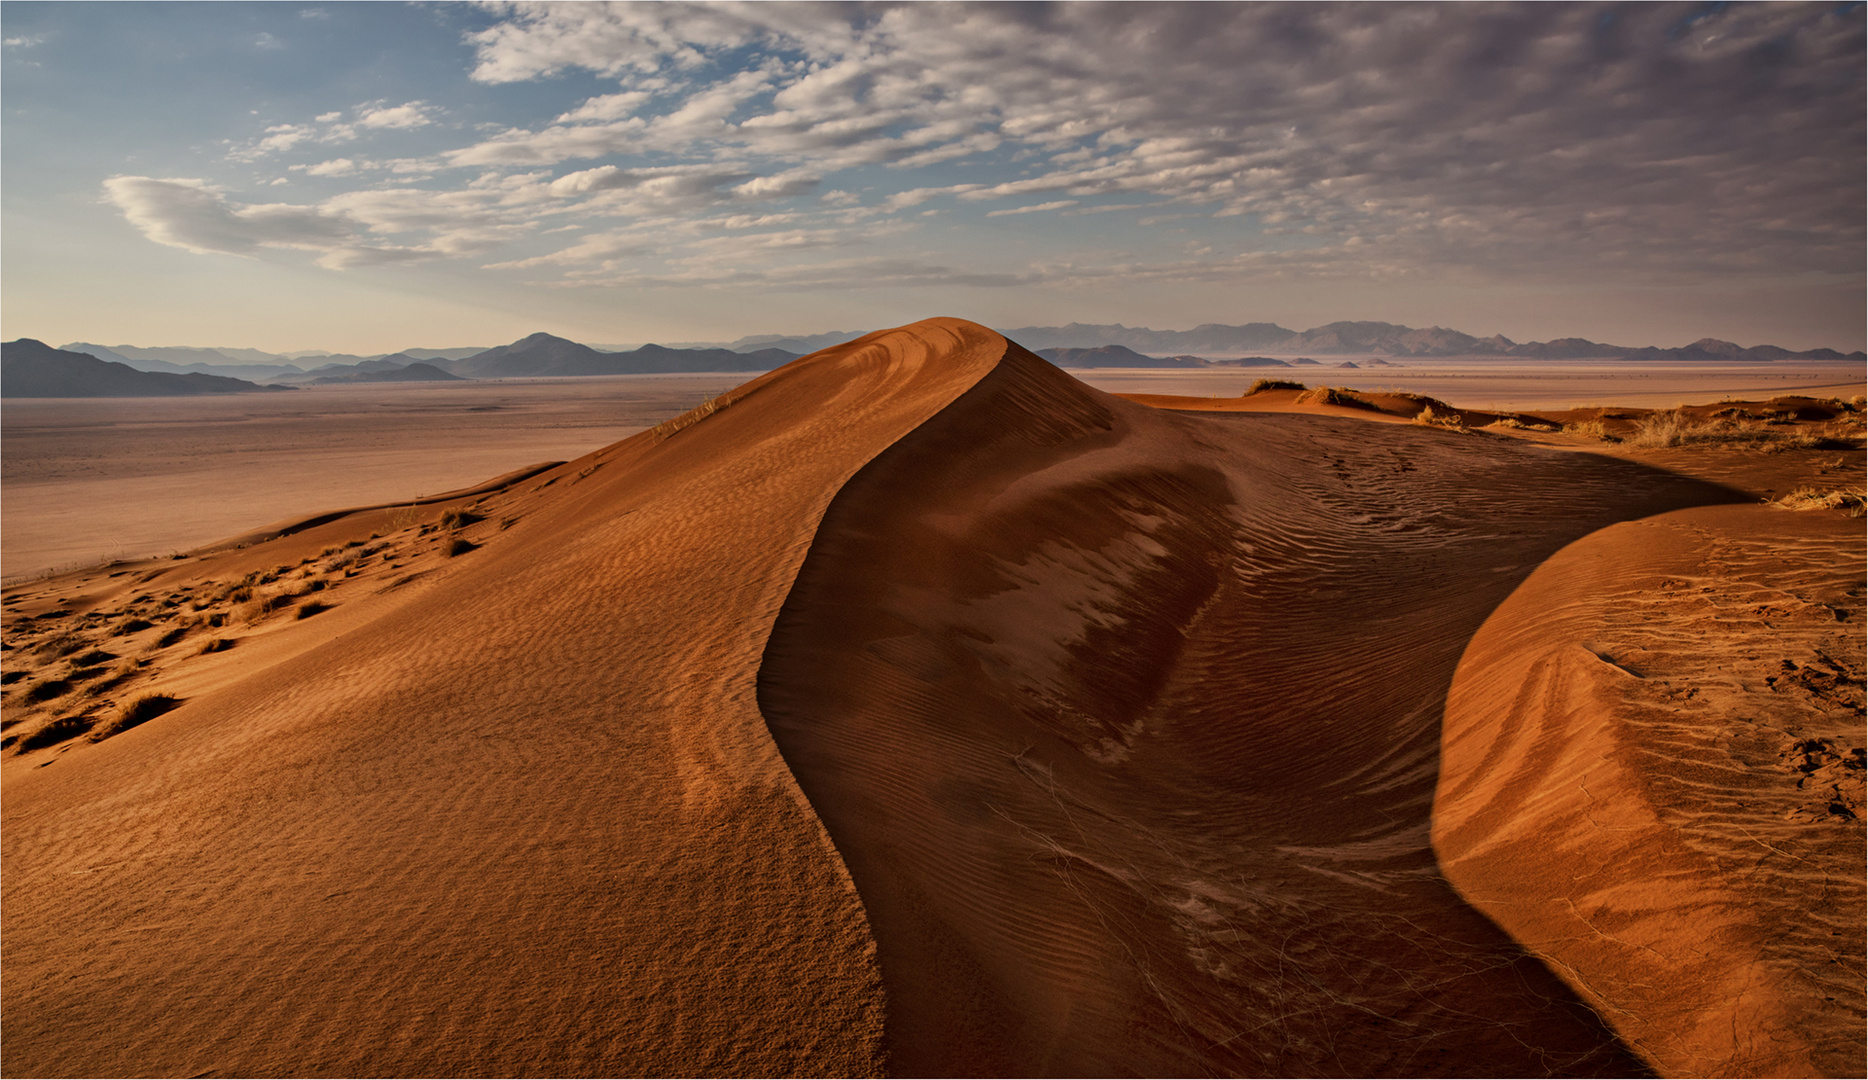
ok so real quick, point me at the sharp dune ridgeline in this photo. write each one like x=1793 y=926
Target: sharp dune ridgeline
x=916 y=709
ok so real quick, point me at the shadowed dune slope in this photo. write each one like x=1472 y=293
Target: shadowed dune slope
x=1652 y=777
x=520 y=817
x=1127 y=725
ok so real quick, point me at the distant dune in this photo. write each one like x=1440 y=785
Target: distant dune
x=917 y=709
x=31 y=368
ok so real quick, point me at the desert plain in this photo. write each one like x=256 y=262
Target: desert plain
x=921 y=708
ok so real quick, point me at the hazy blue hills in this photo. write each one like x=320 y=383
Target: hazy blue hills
x=1385 y=339
x=30 y=368
x=382 y=371
x=543 y=355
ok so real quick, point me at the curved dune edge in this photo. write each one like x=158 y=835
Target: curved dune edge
x=1648 y=780
x=1127 y=723
x=519 y=816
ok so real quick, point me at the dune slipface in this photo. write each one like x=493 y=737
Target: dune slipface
x=1648 y=779
x=1128 y=725
x=525 y=818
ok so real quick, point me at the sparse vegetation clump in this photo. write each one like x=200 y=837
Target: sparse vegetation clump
x=139 y=711
x=458 y=519
x=1259 y=386
x=60 y=730
x=1854 y=503
x=1670 y=428
x=457 y=546
x=1592 y=429
x=667 y=428
x=1335 y=395
x=214 y=645
x=312 y=607
x=1431 y=417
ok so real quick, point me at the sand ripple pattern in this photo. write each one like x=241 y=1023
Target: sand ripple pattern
x=524 y=818
x=1654 y=778
x=1127 y=726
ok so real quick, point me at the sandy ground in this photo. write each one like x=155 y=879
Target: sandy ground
x=920 y=709
x=88 y=480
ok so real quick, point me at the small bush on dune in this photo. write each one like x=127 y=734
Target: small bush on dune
x=457 y=546
x=1592 y=429
x=58 y=731
x=1262 y=385
x=1334 y=395
x=1855 y=503
x=458 y=519
x=47 y=690
x=312 y=607
x=140 y=711
x=214 y=645
x=1429 y=417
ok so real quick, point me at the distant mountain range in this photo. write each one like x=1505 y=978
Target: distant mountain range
x=1385 y=339
x=31 y=368
x=1078 y=345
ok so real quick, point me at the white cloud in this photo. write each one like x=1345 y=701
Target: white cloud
x=413 y=114
x=196 y=216
x=1057 y=205
x=335 y=167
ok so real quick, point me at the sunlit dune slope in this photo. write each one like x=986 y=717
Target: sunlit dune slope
x=1127 y=724
x=1653 y=777
x=917 y=709
x=521 y=815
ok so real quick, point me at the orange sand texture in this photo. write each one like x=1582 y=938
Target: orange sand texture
x=918 y=709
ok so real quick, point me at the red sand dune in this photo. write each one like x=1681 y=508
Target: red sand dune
x=916 y=708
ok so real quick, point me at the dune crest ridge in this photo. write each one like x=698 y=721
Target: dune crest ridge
x=516 y=813
x=1127 y=725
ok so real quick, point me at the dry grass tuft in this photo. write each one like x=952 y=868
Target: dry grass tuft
x=1430 y=417
x=457 y=546
x=1855 y=503
x=214 y=645
x=459 y=519
x=1592 y=429
x=1521 y=424
x=667 y=428
x=60 y=730
x=1335 y=395
x=1261 y=385
x=139 y=711
x=312 y=607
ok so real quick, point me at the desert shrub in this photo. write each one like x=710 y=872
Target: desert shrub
x=1855 y=503
x=457 y=546
x=1429 y=417
x=1522 y=424
x=58 y=731
x=140 y=711
x=94 y=656
x=458 y=519
x=46 y=690
x=60 y=645
x=1259 y=386
x=214 y=645
x=667 y=428
x=1334 y=395
x=1593 y=429
x=312 y=607
x=314 y=585
x=330 y=551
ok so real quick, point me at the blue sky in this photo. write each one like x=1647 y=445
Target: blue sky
x=366 y=177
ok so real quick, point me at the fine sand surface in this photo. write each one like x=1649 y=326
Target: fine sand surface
x=102 y=478
x=919 y=709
